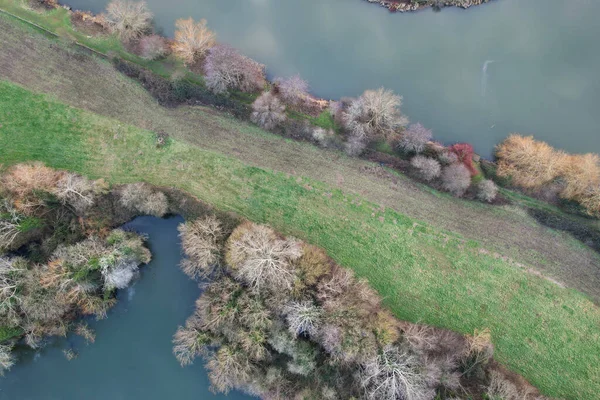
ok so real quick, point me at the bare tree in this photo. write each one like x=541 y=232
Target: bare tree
x=228 y=369
x=268 y=112
x=456 y=179
x=192 y=39
x=414 y=139
x=10 y=221
x=7 y=360
x=487 y=190
x=76 y=191
x=262 y=260
x=375 y=112
x=394 y=374
x=429 y=168
x=142 y=198
x=201 y=242
x=292 y=90
x=447 y=157
x=11 y=296
x=226 y=69
x=303 y=318
x=128 y=19
x=355 y=145
x=190 y=342
x=153 y=47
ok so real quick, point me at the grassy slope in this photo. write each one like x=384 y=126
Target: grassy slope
x=548 y=334
x=51 y=66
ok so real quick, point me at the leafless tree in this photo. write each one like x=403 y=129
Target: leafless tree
x=303 y=317
x=227 y=69
x=447 y=157
x=11 y=274
x=414 y=139
x=76 y=191
x=394 y=374
x=192 y=39
x=201 y=242
x=142 y=198
x=228 y=369
x=487 y=190
x=355 y=145
x=128 y=19
x=262 y=260
x=268 y=112
x=375 y=112
x=153 y=47
x=292 y=90
x=456 y=179
x=190 y=342
x=7 y=360
x=10 y=221
x=429 y=168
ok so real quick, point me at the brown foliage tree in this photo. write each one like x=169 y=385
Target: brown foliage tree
x=192 y=39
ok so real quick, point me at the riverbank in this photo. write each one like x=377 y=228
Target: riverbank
x=417 y=5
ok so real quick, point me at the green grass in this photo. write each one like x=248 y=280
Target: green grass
x=9 y=333
x=548 y=334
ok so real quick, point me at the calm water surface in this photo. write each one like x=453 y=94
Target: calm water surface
x=528 y=66
x=131 y=358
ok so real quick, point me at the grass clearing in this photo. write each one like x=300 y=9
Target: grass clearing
x=548 y=334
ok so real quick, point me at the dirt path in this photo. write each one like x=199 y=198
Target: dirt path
x=83 y=81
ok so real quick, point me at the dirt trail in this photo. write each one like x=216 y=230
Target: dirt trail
x=83 y=81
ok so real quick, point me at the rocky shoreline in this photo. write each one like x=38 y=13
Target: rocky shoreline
x=416 y=5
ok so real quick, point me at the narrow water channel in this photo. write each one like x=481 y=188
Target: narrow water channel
x=528 y=66
x=131 y=357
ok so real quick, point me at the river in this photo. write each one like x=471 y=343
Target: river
x=131 y=357
x=471 y=75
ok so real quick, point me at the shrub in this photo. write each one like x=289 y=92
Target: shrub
x=292 y=90
x=464 y=152
x=501 y=389
x=456 y=179
x=129 y=20
x=262 y=260
x=268 y=112
x=375 y=112
x=487 y=190
x=428 y=168
x=226 y=69
x=414 y=139
x=591 y=201
x=192 y=39
x=201 y=242
x=528 y=162
x=141 y=198
x=153 y=47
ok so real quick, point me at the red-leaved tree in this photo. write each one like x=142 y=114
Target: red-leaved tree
x=464 y=152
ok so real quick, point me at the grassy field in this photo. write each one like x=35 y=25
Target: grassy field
x=53 y=66
x=548 y=334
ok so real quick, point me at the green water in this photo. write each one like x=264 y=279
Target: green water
x=131 y=357
x=528 y=66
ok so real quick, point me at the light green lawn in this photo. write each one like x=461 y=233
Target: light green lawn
x=548 y=334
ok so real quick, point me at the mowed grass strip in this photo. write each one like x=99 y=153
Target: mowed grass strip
x=548 y=334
